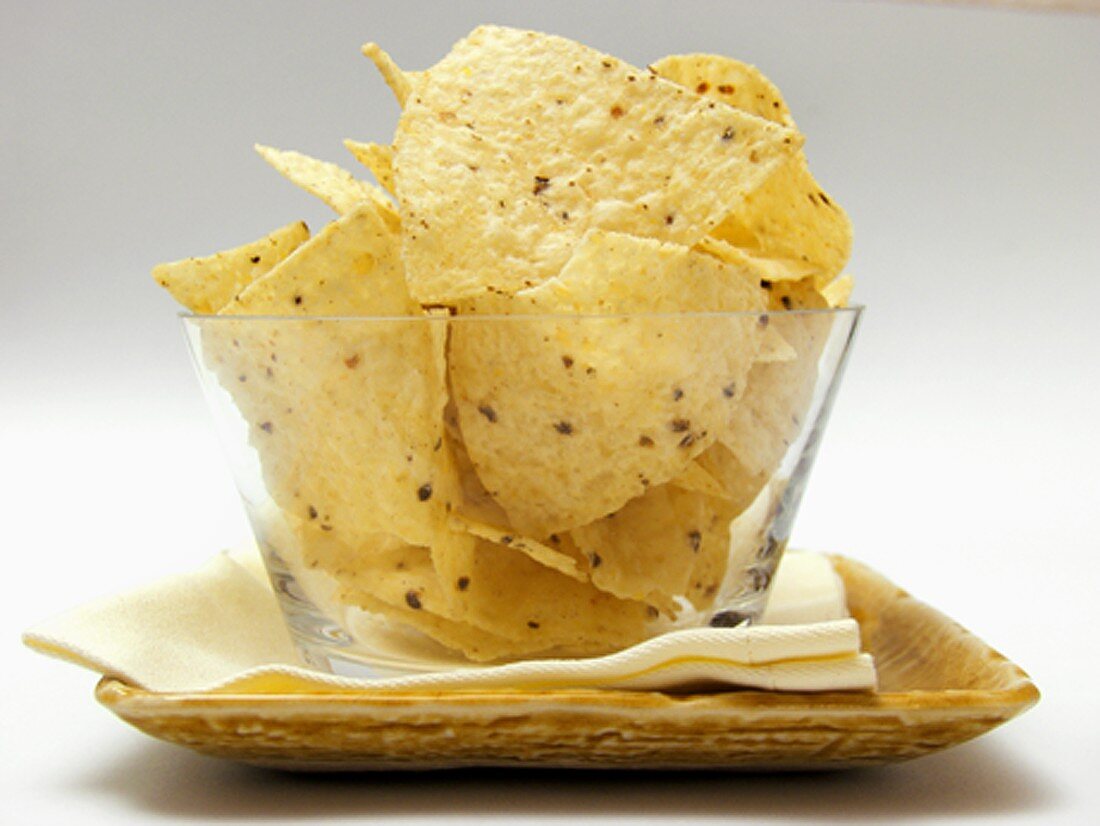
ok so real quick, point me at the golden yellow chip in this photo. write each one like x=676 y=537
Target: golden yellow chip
x=646 y=550
x=739 y=485
x=567 y=417
x=400 y=82
x=698 y=479
x=475 y=644
x=494 y=587
x=347 y=417
x=205 y=285
x=376 y=157
x=789 y=215
x=352 y=267
x=517 y=143
x=327 y=181
x=538 y=551
x=837 y=293
x=713 y=560
x=771 y=414
x=738 y=84
x=762 y=267
x=380 y=565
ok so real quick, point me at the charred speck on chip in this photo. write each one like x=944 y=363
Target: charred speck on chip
x=541 y=183
x=679 y=425
x=645 y=441
x=726 y=89
x=727 y=134
x=786 y=302
x=424 y=492
x=532 y=624
x=652 y=612
x=695 y=540
x=616 y=111
x=702 y=87
x=564 y=428
x=255 y=259
x=728 y=619
x=463 y=583
x=730 y=390
x=506 y=540
x=297 y=299
x=595 y=560
x=555 y=538
x=824 y=199
x=326 y=527
x=669 y=219
x=312 y=512
x=567 y=361
x=267 y=427
x=688 y=440
x=488 y=412
x=438 y=444
x=352 y=362
x=412 y=599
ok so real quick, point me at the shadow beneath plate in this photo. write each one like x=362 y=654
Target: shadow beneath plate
x=978 y=778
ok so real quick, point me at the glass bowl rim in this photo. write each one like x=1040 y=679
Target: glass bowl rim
x=851 y=310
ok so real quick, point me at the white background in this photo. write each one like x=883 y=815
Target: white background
x=961 y=461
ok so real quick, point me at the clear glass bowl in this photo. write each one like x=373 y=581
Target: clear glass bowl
x=444 y=491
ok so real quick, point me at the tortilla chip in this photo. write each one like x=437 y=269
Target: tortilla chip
x=475 y=644
x=380 y=565
x=494 y=587
x=400 y=82
x=738 y=84
x=715 y=552
x=698 y=479
x=346 y=417
x=538 y=551
x=327 y=181
x=763 y=268
x=352 y=267
x=205 y=285
x=771 y=414
x=789 y=216
x=567 y=417
x=838 y=292
x=517 y=143
x=647 y=549
x=738 y=485
x=376 y=157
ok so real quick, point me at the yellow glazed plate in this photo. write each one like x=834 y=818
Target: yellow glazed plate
x=939 y=686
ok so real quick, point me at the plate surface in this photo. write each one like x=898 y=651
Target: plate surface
x=939 y=686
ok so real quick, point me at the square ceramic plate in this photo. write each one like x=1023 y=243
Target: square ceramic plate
x=939 y=686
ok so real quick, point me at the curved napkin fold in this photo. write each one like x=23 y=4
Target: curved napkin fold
x=219 y=629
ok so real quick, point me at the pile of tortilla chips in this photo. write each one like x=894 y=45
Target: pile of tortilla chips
x=529 y=447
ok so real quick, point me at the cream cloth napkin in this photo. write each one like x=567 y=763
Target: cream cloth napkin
x=219 y=629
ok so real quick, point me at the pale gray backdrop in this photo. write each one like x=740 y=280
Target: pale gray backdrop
x=962 y=459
